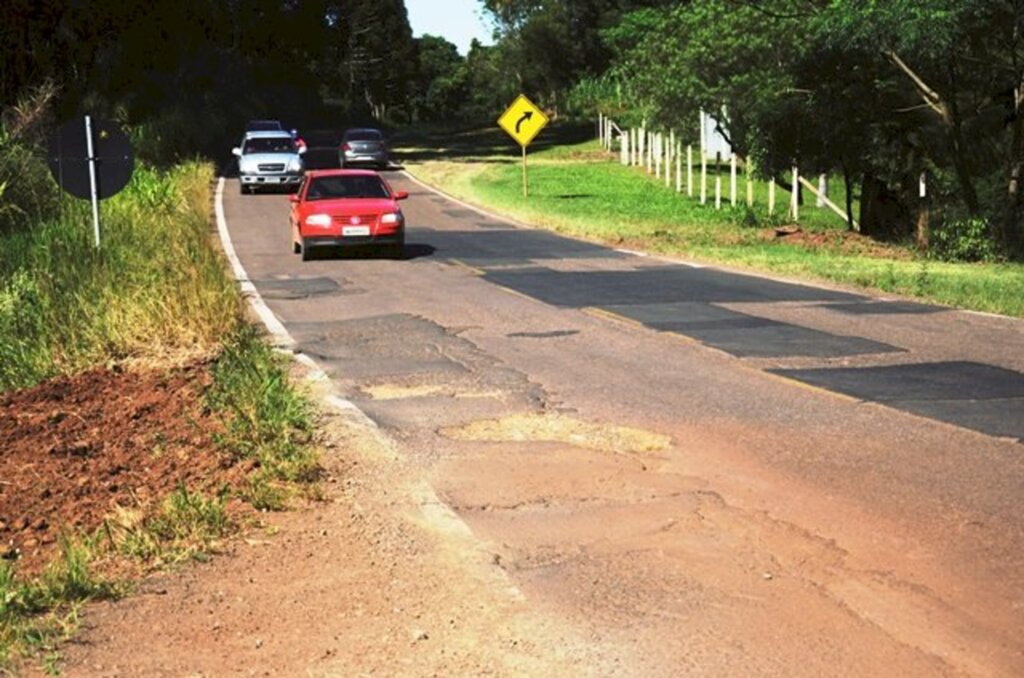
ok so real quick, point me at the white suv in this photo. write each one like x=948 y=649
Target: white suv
x=269 y=160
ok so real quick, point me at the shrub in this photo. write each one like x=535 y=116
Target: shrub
x=967 y=239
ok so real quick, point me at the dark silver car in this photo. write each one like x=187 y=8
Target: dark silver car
x=363 y=146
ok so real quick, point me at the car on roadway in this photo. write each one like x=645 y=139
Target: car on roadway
x=363 y=146
x=269 y=159
x=341 y=208
x=264 y=126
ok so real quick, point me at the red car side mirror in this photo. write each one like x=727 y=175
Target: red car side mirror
x=293 y=197
x=401 y=195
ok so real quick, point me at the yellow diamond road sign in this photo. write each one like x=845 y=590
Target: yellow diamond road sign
x=523 y=120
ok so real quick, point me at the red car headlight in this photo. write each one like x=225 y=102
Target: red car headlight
x=391 y=218
x=321 y=220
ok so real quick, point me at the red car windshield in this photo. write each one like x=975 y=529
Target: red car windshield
x=358 y=186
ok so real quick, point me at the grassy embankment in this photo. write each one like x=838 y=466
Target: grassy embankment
x=156 y=295
x=577 y=189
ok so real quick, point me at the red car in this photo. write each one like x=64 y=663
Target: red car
x=346 y=208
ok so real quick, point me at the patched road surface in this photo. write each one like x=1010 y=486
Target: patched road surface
x=698 y=471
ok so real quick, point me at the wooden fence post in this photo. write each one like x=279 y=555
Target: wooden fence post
x=923 y=213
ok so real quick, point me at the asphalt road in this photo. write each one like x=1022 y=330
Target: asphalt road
x=811 y=481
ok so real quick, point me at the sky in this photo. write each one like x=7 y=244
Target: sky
x=458 y=21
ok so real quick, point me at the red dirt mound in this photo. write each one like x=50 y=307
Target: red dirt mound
x=73 y=448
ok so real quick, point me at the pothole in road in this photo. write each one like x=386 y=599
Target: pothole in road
x=562 y=429
x=400 y=392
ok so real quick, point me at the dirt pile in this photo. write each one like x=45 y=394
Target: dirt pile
x=73 y=448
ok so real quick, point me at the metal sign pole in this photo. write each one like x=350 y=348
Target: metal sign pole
x=526 y=186
x=92 y=179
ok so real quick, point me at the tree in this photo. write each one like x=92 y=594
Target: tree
x=441 y=81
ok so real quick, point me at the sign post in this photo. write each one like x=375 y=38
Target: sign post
x=92 y=166
x=523 y=120
x=93 y=195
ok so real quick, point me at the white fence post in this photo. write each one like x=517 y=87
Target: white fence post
x=657 y=155
x=649 y=148
x=679 y=169
x=600 y=128
x=703 y=177
x=771 y=196
x=624 y=148
x=718 y=180
x=668 y=160
x=689 y=170
x=822 y=190
x=732 y=180
x=794 y=208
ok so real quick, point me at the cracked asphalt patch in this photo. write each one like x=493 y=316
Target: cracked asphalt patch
x=563 y=429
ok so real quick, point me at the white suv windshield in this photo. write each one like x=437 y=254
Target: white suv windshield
x=269 y=145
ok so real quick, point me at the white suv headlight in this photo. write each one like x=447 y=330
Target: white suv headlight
x=322 y=220
x=295 y=165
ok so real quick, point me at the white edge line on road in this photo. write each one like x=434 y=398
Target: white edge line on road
x=434 y=510
x=249 y=291
x=282 y=339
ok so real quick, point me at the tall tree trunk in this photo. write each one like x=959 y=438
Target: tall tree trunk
x=883 y=215
x=956 y=136
x=848 y=184
x=1012 y=230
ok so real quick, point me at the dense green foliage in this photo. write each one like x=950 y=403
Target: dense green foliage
x=877 y=93
x=156 y=284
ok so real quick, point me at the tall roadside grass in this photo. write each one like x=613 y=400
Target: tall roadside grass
x=266 y=420
x=578 y=189
x=155 y=291
x=154 y=286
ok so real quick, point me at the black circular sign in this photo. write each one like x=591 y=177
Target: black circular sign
x=69 y=158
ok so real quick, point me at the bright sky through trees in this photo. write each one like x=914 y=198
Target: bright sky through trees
x=458 y=21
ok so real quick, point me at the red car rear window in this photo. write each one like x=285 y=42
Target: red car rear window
x=362 y=186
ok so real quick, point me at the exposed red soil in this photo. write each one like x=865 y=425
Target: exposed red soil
x=840 y=242
x=74 y=448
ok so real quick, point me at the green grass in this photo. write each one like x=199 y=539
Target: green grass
x=156 y=286
x=186 y=527
x=267 y=421
x=37 y=614
x=577 y=189
x=157 y=291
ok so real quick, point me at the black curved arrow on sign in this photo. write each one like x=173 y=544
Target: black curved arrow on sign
x=526 y=116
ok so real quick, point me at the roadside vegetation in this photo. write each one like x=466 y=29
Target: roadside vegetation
x=579 y=189
x=155 y=297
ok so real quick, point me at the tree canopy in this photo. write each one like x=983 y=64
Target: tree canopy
x=877 y=92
